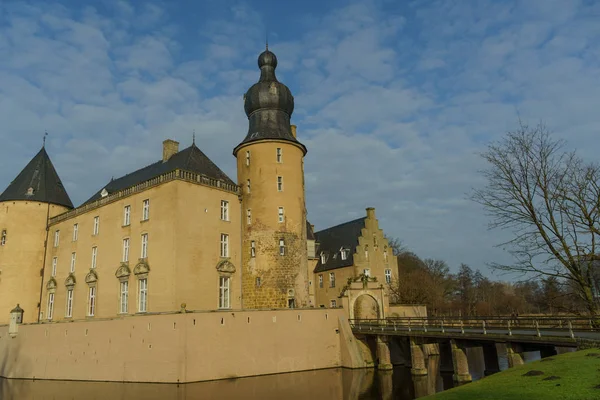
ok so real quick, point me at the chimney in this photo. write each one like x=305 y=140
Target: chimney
x=170 y=147
x=293 y=130
x=371 y=212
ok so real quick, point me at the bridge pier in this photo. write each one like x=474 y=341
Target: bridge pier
x=514 y=353
x=383 y=354
x=417 y=359
x=460 y=363
x=490 y=358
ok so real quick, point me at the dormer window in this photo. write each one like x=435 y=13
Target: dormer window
x=344 y=253
x=30 y=191
x=323 y=258
x=104 y=192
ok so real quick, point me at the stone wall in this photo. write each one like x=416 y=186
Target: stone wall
x=176 y=347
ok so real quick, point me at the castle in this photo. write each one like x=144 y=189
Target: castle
x=180 y=234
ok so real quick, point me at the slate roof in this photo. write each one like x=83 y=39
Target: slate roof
x=39 y=174
x=191 y=159
x=331 y=240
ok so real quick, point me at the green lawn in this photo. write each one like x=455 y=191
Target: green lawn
x=578 y=373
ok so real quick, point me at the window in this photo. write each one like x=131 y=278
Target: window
x=145 y=210
x=75 y=232
x=69 y=308
x=224 y=210
x=56 y=238
x=281 y=247
x=321 y=280
x=125 y=250
x=279 y=155
x=280 y=213
x=280 y=183
x=385 y=253
x=54 y=264
x=366 y=272
x=94 y=256
x=248 y=216
x=388 y=276
x=248 y=158
x=144 y=245
x=258 y=281
x=73 y=259
x=248 y=186
x=333 y=304
x=366 y=252
x=332 y=279
x=252 y=248
x=344 y=254
x=143 y=295
x=124 y=304
x=50 y=307
x=126 y=215
x=323 y=258
x=224 y=291
x=292 y=303
x=91 y=301
x=3 y=238
x=96 y=225
x=224 y=245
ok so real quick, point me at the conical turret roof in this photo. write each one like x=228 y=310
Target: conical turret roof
x=38 y=181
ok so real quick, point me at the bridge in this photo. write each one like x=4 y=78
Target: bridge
x=441 y=342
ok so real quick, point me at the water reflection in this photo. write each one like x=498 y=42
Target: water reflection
x=343 y=384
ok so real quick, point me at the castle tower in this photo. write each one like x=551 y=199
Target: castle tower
x=270 y=165
x=35 y=195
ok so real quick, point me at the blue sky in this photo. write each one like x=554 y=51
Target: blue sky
x=393 y=98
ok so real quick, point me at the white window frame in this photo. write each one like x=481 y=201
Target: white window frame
x=146 y=210
x=144 y=253
x=388 y=275
x=69 y=305
x=332 y=304
x=75 y=232
x=54 y=266
x=125 y=257
x=323 y=258
x=248 y=217
x=127 y=215
x=332 y=279
x=282 y=247
x=248 y=158
x=280 y=183
x=123 y=297
x=96 y=225
x=248 y=186
x=279 y=155
x=73 y=261
x=143 y=295
x=91 y=311
x=252 y=248
x=50 y=307
x=280 y=215
x=224 y=210
x=320 y=280
x=344 y=254
x=3 y=238
x=56 y=237
x=224 y=245
x=94 y=256
x=224 y=292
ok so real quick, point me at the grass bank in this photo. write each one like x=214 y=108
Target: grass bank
x=571 y=376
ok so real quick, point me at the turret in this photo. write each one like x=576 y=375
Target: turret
x=270 y=165
x=36 y=194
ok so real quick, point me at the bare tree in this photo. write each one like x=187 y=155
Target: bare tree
x=396 y=245
x=550 y=199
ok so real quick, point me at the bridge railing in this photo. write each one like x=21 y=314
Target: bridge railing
x=482 y=325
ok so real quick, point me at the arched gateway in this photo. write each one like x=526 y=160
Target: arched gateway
x=364 y=298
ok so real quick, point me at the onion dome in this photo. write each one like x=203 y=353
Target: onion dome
x=269 y=104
